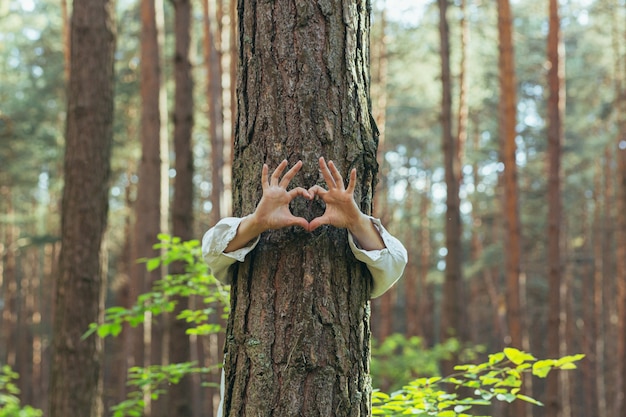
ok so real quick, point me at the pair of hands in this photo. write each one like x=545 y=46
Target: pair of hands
x=273 y=211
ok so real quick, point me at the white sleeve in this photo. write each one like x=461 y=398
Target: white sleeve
x=214 y=243
x=386 y=265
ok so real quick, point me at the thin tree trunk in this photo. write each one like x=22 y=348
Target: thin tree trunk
x=425 y=305
x=598 y=293
x=507 y=116
x=80 y=283
x=9 y=280
x=555 y=108
x=451 y=324
x=214 y=106
x=180 y=395
x=620 y=234
x=150 y=198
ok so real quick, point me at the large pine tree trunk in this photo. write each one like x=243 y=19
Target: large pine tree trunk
x=298 y=333
x=75 y=387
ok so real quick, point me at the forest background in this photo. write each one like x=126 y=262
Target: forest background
x=412 y=197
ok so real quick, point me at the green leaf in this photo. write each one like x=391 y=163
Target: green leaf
x=517 y=356
x=542 y=368
x=528 y=399
x=153 y=264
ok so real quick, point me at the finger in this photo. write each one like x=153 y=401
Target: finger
x=336 y=174
x=326 y=174
x=284 y=182
x=264 y=171
x=317 y=222
x=317 y=190
x=299 y=191
x=278 y=172
x=300 y=221
x=352 y=183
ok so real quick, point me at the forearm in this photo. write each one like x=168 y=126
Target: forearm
x=247 y=231
x=365 y=233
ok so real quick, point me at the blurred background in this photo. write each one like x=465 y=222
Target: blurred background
x=537 y=258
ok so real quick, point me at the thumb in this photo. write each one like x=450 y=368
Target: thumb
x=299 y=221
x=317 y=222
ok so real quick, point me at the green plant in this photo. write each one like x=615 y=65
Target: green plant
x=9 y=401
x=397 y=360
x=500 y=378
x=194 y=281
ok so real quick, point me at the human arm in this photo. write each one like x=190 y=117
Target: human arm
x=371 y=243
x=232 y=238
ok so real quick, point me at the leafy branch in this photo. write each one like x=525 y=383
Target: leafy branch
x=500 y=378
x=194 y=281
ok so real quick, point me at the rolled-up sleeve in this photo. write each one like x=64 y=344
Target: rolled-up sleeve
x=386 y=265
x=214 y=243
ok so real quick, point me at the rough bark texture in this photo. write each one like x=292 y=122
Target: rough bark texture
x=298 y=334
x=75 y=388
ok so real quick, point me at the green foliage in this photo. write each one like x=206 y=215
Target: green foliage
x=9 y=401
x=398 y=360
x=499 y=378
x=194 y=281
x=149 y=381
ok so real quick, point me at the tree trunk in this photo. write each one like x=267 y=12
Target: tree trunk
x=508 y=104
x=180 y=395
x=149 y=202
x=555 y=138
x=298 y=334
x=620 y=232
x=8 y=320
x=75 y=387
x=212 y=57
x=599 y=222
x=451 y=324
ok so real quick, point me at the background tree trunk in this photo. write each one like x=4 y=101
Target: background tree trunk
x=75 y=387
x=149 y=202
x=555 y=109
x=508 y=103
x=180 y=395
x=298 y=334
x=451 y=324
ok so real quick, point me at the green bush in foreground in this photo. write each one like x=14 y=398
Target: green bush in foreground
x=500 y=379
x=9 y=401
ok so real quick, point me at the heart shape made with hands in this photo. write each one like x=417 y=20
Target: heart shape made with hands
x=340 y=210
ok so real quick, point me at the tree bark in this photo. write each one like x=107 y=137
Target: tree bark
x=180 y=402
x=555 y=108
x=149 y=203
x=298 y=333
x=75 y=387
x=508 y=117
x=212 y=57
x=451 y=324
